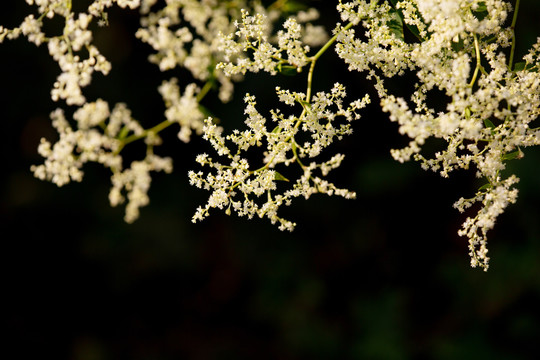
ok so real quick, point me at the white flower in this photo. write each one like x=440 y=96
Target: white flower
x=488 y=106
x=234 y=187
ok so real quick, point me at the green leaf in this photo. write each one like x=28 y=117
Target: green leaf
x=485 y=187
x=293 y=7
x=123 y=133
x=415 y=31
x=412 y=28
x=489 y=124
x=276 y=130
x=481 y=11
x=518 y=154
x=482 y=7
x=287 y=70
x=396 y=24
x=520 y=66
x=279 y=177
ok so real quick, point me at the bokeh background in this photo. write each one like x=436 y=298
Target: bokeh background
x=384 y=276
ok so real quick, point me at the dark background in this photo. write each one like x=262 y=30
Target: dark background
x=384 y=276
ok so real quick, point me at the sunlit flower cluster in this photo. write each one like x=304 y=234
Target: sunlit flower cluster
x=484 y=103
x=251 y=47
x=183 y=34
x=469 y=91
x=235 y=186
x=98 y=138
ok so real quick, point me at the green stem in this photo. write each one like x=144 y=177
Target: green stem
x=329 y=43
x=313 y=59
x=289 y=138
x=156 y=129
x=310 y=80
x=162 y=125
x=513 y=27
x=206 y=88
x=296 y=156
x=478 y=60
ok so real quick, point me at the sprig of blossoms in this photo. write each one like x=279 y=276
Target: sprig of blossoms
x=251 y=47
x=99 y=136
x=183 y=109
x=235 y=186
x=64 y=159
x=494 y=200
x=136 y=181
x=485 y=103
x=380 y=48
x=184 y=33
x=489 y=103
x=73 y=50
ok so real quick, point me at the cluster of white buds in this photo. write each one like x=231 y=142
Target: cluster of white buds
x=251 y=47
x=184 y=33
x=235 y=186
x=136 y=181
x=65 y=159
x=183 y=109
x=99 y=137
x=66 y=49
x=468 y=93
x=489 y=102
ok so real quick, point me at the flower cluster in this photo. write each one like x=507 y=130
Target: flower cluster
x=99 y=137
x=73 y=50
x=97 y=134
x=469 y=92
x=235 y=186
x=66 y=157
x=183 y=109
x=182 y=33
x=489 y=103
x=251 y=47
x=136 y=181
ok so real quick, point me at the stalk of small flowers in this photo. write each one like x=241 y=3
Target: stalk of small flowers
x=67 y=49
x=234 y=185
x=103 y=138
x=490 y=103
x=250 y=47
x=491 y=100
x=183 y=34
x=99 y=134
